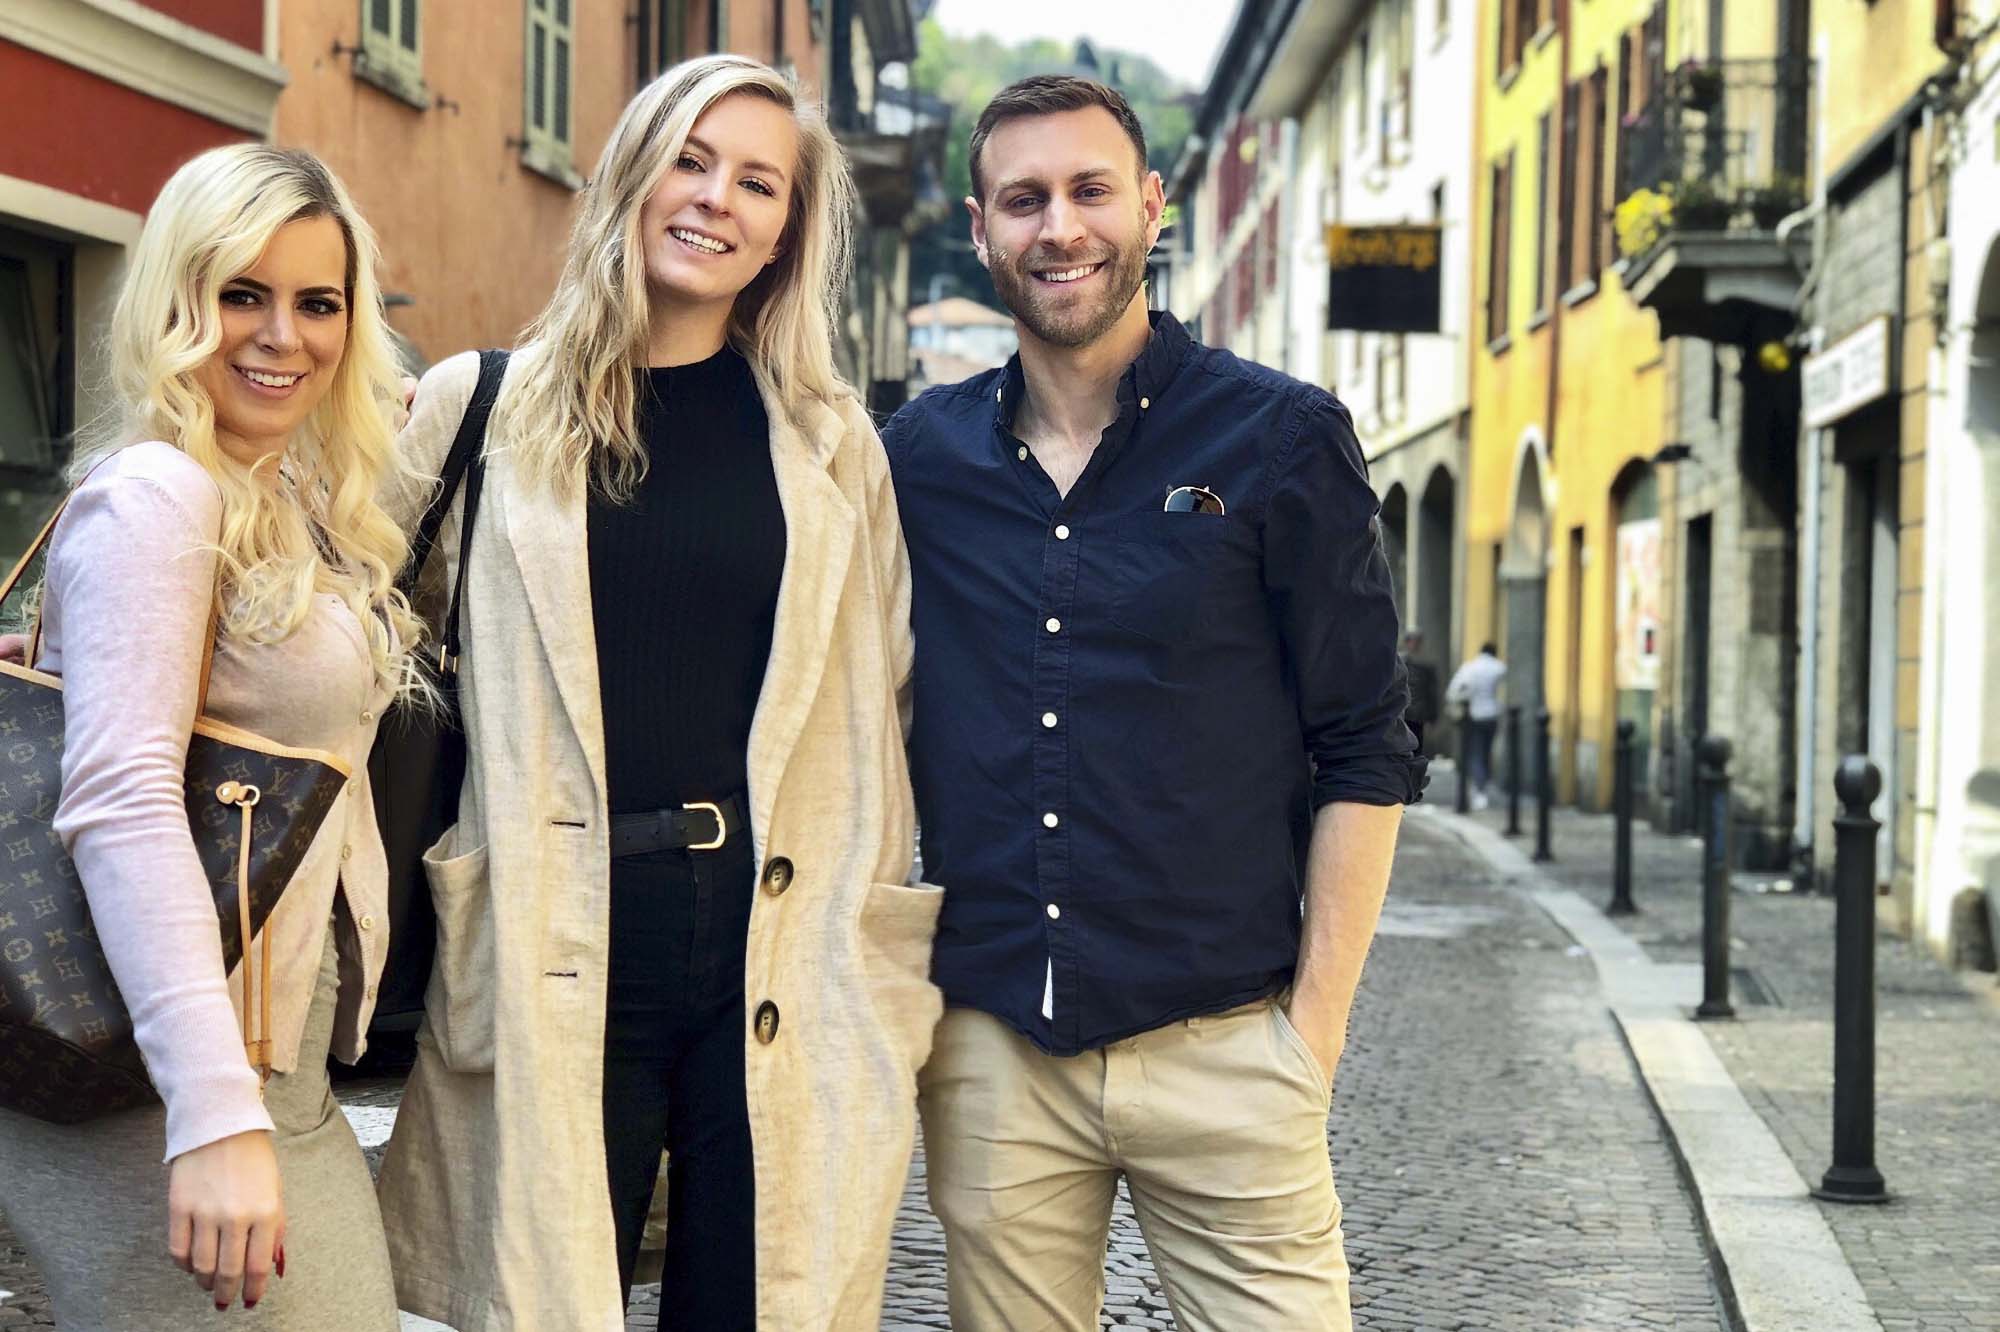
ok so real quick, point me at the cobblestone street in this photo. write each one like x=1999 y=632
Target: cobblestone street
x=1500 y=1164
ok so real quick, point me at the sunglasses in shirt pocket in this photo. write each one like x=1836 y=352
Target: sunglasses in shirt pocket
x=1168 y=569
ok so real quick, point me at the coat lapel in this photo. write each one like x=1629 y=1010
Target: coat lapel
x=552 y=546
x=819 y=543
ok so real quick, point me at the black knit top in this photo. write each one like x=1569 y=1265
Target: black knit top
x=684 y=588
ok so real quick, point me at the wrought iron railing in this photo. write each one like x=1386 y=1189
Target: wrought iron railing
x=1720 y=145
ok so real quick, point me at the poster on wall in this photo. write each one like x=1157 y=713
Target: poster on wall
x=1637 y=660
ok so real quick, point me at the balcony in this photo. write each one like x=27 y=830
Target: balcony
x=1713 y=161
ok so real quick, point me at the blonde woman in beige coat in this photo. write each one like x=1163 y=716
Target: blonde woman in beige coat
x=713 y=228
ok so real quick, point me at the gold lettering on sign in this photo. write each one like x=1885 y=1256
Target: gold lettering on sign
x=1391 y=247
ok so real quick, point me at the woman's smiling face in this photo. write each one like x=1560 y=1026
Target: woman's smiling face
x=284 y=331
x=717 y=217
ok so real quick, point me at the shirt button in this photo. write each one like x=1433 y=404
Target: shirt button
x=1050 y=820
x=368 y=922
x=346 y=853
x=1055 y=912
x=371 y=992
x=1144 y=403
x=1049 y=720
x=767 y=1022
x=1053 y=625
x=1062 y=531
x=367 y=717
x=1022 y=453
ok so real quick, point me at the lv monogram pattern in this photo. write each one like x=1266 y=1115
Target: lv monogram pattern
x=66 y=1048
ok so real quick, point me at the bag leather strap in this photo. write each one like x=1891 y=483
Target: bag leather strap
x=465 y=462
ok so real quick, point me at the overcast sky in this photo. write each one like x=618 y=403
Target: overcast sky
x=1180 y=36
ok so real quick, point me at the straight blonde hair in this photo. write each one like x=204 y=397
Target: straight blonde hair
x=569 y=412
x=316 y=527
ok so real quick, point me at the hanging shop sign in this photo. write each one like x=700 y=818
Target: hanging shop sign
x=1846 y=376
x=1384 y=279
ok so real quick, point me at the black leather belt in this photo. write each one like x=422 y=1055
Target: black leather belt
x=700 y=825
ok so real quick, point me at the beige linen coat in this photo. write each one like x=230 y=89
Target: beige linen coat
x=493 y=1190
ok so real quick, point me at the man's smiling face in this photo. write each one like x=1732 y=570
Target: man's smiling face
x=1068 y=218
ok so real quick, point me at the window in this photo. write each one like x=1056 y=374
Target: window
x=1499 y=247
x=37 y=378
x=1520 y=20
x=551 y=40
x=392 y=48
x=1602 y=197
x=1544 y=187
x=1581 y=246
x=662 y=37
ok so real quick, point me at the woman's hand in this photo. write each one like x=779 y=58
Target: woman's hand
x=226 y=1216
x=14 y=648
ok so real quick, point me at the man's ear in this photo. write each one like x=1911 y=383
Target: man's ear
x=978 y=216
x=1153 y=203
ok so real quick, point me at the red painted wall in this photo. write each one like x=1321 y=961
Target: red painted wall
x=239 y=21
x=73 y=131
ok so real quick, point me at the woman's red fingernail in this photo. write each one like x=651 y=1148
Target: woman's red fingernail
x=249 y=1304
x=280 y=1261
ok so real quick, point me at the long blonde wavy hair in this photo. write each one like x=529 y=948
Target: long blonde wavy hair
x=315 y=527
x=570 y=409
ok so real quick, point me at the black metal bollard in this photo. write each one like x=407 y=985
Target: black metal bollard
x=1712 y=767
x=1464 y=805
x=1853 y=1176
x=1545 y=787
x=1513 y=769
x=1621 y=804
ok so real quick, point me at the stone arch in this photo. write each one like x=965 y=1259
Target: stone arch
x=1435 y=609
x=1396 y=545
x=1524 y=585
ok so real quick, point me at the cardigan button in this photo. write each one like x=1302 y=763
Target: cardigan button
x=777 y=876
x=767 y=1022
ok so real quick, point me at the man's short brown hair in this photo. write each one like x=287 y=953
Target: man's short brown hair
x=1045 y=95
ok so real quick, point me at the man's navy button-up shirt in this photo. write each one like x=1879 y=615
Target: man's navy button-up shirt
x=1125 y=717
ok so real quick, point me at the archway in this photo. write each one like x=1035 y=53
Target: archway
x=1396 y=545
x=1982 y=423
x=1437 y=526
x=1636 y=624
x=1524 y=596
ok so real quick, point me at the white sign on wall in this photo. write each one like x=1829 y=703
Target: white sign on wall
x=1846 y=376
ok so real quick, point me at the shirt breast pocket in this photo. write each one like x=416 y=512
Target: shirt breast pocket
x=1170 y=570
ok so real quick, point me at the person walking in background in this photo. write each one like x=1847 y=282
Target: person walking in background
x=676 y=910
x=239 y=482
x=1425 y=703
x=1157 y=705
x=1476 y=687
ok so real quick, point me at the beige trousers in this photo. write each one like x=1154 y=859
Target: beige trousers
x=1218 y=1125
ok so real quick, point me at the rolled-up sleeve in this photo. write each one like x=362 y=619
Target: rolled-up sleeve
x=1327 y=579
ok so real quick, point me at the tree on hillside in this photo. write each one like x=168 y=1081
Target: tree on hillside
x=965 y=72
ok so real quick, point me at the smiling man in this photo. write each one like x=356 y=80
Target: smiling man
x=1158 y=711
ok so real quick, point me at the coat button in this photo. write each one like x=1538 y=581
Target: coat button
x=347 y=853
x=777 y=876
x=366 y=717
x=767 y=1022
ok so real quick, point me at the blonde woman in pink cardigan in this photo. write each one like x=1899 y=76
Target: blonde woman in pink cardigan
x=254 y=365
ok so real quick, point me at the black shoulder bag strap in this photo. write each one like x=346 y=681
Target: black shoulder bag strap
x=464 y=463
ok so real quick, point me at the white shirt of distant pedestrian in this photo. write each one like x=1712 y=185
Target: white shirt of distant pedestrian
x=1477 y=684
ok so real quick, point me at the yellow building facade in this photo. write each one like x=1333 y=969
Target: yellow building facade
x=1568 y=380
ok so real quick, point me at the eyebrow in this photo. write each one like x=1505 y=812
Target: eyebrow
x=1078 y=178
x=259 y=287
x=767 y=167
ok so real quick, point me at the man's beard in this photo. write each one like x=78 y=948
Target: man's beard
x=1068 y=323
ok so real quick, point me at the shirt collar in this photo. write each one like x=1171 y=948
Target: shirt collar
x=1147 y=377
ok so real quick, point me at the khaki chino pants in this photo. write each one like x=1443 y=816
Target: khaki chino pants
x=1218 y=1125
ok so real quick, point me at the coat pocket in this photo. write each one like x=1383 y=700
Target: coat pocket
x=458 y=1006
x=898 y=923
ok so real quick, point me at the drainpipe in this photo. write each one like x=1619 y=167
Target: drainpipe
x=1806 y=785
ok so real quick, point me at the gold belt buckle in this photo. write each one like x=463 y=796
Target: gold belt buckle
x=721 y=826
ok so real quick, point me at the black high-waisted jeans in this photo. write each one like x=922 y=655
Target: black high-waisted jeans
x=673 y=1078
